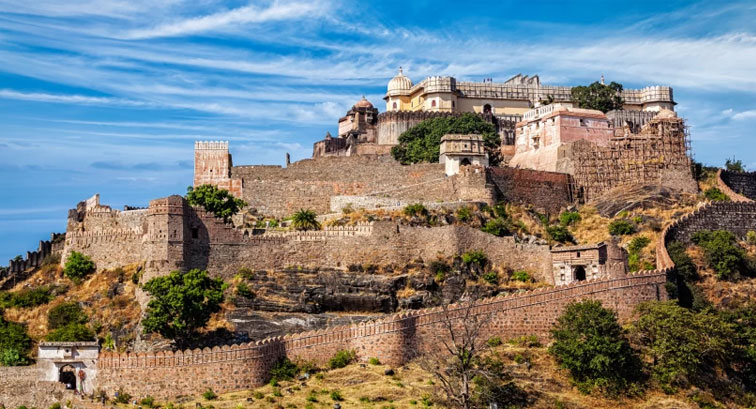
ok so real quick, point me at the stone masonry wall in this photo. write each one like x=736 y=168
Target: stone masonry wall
x=741 y=184
x=549 y=191
x=311 y=183
x=736 y=217
x=22 y=385
x=394 y=339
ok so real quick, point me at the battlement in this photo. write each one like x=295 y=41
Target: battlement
x=211 y=145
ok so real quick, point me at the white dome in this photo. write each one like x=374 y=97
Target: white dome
x=399 y=85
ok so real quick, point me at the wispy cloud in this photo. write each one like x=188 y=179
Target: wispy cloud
x=68 y=99
x=278 y=11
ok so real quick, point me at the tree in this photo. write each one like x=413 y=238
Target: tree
x=734 y=165
x=181 y=303
x=468 y=374
x=422 y=142
x=683 y=345
x=723 y=254
x=15 y=344
x=217 y=201
x=305 y=220
x=78 y=266
x=599 y=96
x=73 y=332
x=589 y=342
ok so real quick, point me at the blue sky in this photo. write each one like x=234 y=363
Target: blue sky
x=109 y=96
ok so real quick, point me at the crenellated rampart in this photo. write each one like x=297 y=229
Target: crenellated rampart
x=34 y=259
x=738 y=186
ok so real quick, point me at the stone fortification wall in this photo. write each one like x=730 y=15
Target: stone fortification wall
x=393 y=123
x=110 y=237
x=737 y=217
x=738 y=186
x=22 y=385
x=394 y=339
x=311 y=183
x=339 y=203
x=34 y=259
x=549 y=191
x=223 y=250
x=656 y=156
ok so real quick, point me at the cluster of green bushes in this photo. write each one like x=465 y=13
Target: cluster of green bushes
x=621 y=227
x=78 y=266
x=674 y=346
x=217 y=201
x=67 y=322
x=422 y=142
x=415 y=210
x=715 y=195
x=635 y=252
x=500 y=224
x=724 y=255
x=15 y=344
x=28 y=298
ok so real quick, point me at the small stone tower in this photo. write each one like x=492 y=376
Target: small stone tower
x=212 y=166
x=462 y=150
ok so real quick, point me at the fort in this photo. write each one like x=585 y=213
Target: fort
x=556 y=156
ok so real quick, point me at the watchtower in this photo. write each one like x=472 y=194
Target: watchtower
x=462 y=150
x=212 y=166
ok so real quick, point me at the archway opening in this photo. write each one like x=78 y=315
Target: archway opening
x=487 y=109
x=67 y=376
x=580 y=273
x=464 y=162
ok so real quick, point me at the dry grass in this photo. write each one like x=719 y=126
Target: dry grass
x=366 y=386
x=121 y=312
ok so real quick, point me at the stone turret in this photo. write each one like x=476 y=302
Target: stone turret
x=212 y=166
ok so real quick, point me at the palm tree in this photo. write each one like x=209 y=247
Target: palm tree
x=305 y=220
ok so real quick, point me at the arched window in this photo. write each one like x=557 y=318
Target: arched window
x=394 y=105
x=433 y=103
x=465 y=162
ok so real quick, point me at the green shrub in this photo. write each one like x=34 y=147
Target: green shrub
x=734 y=165
x=148 y=401
x=522 y=275
x=341 y=359
x=55 y=405
x=209 y=394
x=568 y=218
x=723 y=253
x=498 y=227
x=589 y=342
x=374 y=361
x=258 y=395
x=529 y=341
x=243 y=290
x=499 y=210
x=751 y=237
x=78 y=266
x=64 y=314
x=464 y=214
x=15 y=344
x=305 y=219
x=122 y=397
x=621 y=227
x=74 y=332
x=491 y=277
x=217 y=201
x=637 y=244
x=684 y=266
x=494 y=341
x=716 y=195
x=416 y=209
x=475 y=257
x=440 y=277
x=336 y=395
x=284 y=370
x=559 y=233
x=671 y=337
x=27 y=298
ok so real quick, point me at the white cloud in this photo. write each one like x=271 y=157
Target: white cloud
x=745 y=115
x=278 y=11
x=67 y=98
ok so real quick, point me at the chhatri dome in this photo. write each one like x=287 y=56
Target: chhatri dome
x=363 y=103
x=399 y=85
